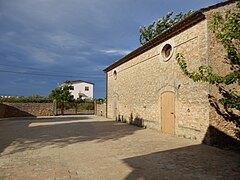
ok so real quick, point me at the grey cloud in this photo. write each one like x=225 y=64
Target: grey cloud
x=77 y=36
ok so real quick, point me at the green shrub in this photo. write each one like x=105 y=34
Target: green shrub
x=101 y=100
x=86 y=106
x=26 y=99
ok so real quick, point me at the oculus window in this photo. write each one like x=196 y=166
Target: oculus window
x=167 y=52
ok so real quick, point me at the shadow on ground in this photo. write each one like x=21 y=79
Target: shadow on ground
x=10 y=111
x=34 y=133
x=192 y=162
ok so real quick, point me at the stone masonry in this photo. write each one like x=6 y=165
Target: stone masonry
x=26 y=109
x=100 y=109
x=216 y=52
x=134 y=88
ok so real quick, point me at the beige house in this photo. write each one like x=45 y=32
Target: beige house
x=148 y=88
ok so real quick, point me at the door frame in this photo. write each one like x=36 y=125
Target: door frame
x=115 y=106
x=161 y=91
x=114 y=109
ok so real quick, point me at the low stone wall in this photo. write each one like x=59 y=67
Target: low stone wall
x=26 y=109
x=100 y=109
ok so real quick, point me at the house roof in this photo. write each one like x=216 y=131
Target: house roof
x=82 y=94
x=191 y=20
x=79 y=81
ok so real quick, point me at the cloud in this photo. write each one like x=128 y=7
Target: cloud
x=44 y=57
x=121 y=52
x=77 y=36
x=66 y=40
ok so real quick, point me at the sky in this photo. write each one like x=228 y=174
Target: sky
x=46 y=42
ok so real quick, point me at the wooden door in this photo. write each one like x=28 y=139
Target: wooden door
x=168 y=112
x=114 y=109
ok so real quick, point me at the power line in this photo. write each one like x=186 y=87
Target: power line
x=31 y=68
x=49 y=75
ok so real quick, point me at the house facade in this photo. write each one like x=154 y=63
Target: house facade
x=148 y=88
x=82 y=89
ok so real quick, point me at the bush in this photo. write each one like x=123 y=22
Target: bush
x=88 y=105
x=101 y=100
x=26 y=99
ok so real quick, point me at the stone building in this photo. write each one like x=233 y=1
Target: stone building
x=148 y=88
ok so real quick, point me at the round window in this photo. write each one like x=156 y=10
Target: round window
x=167 y=52
x=115 y=74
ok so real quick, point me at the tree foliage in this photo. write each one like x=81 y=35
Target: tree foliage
x=62 y=94
x=227 y=30
x=158 y=26
x=26 y=99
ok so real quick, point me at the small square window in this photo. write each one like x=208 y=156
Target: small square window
x=86 y=88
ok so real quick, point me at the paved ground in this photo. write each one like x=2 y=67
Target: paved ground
x=90 y=147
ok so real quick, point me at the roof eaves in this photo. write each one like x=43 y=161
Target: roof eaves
x=192 y=19
x=217 y=5
x=79 y=81
x=177 y=28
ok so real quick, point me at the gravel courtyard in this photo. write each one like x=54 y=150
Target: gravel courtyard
x=91 y=147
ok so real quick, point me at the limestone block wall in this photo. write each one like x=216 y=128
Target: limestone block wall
x=100 y=109
x=134 y=92
x=192 y=105
x=220 y=121
x=26 y=109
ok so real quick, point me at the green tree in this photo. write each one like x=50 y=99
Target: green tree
x=227 y=30
x=62 y=94
x=158 y=26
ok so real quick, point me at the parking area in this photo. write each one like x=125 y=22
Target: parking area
x=91 y=147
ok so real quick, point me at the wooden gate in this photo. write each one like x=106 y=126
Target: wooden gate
x=77 y=108
x=168 y=112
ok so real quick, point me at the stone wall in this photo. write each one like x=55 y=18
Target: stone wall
x=135 y=92
x=134 y=88
x=26 y=109
x=100 y=109
x=221 y=122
